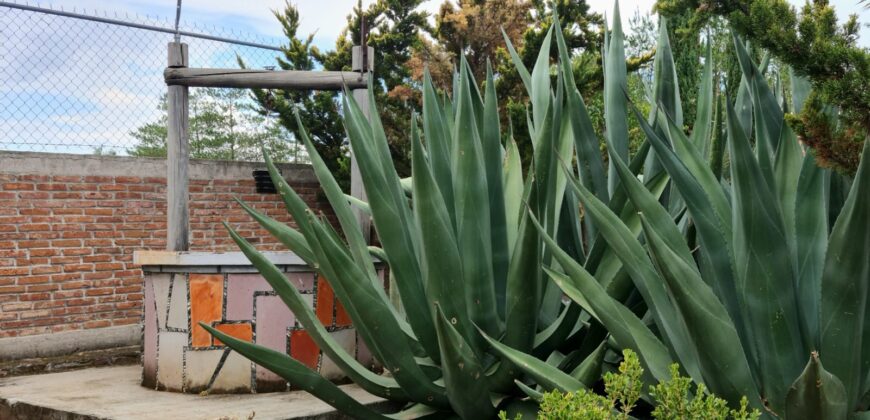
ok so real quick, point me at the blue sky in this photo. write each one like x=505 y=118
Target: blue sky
x=76 y=85
x=327 y=17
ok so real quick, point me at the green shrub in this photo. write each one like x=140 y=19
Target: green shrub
x=673 y=399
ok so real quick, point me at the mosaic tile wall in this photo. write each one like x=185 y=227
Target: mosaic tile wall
x=179 y=355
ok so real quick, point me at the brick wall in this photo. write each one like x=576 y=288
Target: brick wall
x=69 y=226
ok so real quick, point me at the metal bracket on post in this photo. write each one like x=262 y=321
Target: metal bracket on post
x=362 y=98
x=177 y=156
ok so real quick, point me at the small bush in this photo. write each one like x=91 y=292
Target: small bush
x=673 y=399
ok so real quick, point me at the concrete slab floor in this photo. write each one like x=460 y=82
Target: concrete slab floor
x=114 y=393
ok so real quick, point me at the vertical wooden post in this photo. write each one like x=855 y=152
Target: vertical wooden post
x=362 y=98
x=177 y=155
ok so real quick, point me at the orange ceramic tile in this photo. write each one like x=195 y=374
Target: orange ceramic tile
x=303 y=348
x=240 y=331
x=325 y=301
x=342 y=319
x=206 y=305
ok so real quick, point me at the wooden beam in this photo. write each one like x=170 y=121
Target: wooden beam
x=265 y=79
x=361 y=96
x=177 y=155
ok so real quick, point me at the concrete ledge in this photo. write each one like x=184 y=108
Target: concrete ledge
x=69 y=342
x=114 y=393
x=210 y=258
x=82 y=165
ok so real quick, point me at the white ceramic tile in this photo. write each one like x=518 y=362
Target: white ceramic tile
x=234 y=376
x=178 y=303
x=160 y=283
x=199 y=367
x=170 y=359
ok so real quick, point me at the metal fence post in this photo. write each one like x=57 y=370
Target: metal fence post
x=177 y=156
x=362 y=98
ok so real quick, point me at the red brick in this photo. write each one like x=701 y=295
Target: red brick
x=51 y=187
x=34 y=227
x=14 y=271
x=48 y=269
x=16 y=186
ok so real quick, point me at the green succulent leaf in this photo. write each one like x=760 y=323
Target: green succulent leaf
x=371 y=382
x=467 y=385
x=615 y=86
x=845 y=284
x=544 y=374
x=765 y=273
x=298 y=374
x=816 y=394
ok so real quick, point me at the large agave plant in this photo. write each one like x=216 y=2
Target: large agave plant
x=463 y=249
x=482 y=255
x=769 y=292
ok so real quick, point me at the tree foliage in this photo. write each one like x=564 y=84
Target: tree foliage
x=224 y=125
x=817 y=47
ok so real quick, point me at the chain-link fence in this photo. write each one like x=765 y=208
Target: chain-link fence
x=78 y=82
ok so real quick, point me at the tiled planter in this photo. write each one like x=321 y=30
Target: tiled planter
x=225 y=291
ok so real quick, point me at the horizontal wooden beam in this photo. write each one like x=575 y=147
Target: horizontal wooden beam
x=265 y=79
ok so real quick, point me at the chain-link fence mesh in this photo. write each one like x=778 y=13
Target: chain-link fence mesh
x=72 y=84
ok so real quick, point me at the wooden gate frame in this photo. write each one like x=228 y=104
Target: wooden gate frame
x=179 y=78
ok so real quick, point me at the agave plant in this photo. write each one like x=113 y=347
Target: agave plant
x=462 y=242
x=769 y=293
x=482 y=255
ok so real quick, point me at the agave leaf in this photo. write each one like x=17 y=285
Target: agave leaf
x=371 y=382
x=727 y=374
x=438 y=141
x=356 y=202
x=589 y=370
x=417 y=412
x=665 y=93
x=540 y=82
x=615 y=106
x=297 y=374
x=591 y=167
x=441 y=263
x=531 y=393
x=466 y=384
x=513 y=192
x=816 y=394
x=666 y=88
x=702 y=129
x=544 y=374
x=518 y=63
x=811 y=236
x=636 y=262
x=767 y=115
x=288 y=236
x=845 y=284
x=374 y=320
x=711 y=215
x=765 y=271
x=349 y=226
x=555 y=334
x=628 y=330
x=391 y=217
x=787 y=169
x=523 y=298
x=378 y=253
x=647 y=205
x=473 y=225
x=618 y=203
x=492 y=160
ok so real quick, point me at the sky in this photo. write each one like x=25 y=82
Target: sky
x=327 y=22
x=74 y=86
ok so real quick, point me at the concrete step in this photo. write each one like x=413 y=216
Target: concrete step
x=114 y=393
